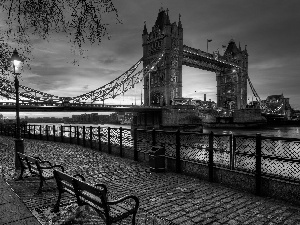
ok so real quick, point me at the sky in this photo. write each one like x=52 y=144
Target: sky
x=269 y=28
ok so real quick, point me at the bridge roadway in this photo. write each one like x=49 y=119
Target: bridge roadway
x=77 y=108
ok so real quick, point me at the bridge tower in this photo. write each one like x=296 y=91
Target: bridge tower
x=232 y=82
x=165 y=83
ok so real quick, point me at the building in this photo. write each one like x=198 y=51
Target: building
x=277 y=105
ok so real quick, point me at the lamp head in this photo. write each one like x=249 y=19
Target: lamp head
x=15 y=58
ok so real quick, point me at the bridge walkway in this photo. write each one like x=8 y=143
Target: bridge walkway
x=166 y=198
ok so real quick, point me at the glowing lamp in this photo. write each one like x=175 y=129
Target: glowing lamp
x=16 y=59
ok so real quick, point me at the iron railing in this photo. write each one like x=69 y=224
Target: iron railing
x=260 y=155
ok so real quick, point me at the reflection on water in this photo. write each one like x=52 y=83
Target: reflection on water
x=290 y=132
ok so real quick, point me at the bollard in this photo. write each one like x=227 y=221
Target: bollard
x=157 y=159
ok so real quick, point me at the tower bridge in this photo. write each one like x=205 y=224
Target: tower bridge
x=164 y=84
x=164 y=54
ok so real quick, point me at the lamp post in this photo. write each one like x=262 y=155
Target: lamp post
x=19 y=143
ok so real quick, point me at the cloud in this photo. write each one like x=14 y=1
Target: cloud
x=269 y=28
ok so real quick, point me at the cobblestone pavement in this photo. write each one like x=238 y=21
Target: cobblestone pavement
x=12 y=209
x=165 y=198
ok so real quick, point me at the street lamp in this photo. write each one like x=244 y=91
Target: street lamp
x=16 y=61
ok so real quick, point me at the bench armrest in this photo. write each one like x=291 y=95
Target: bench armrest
x=37 y=157
x=137 y=202
x=79 y=175
x=101 y=186
x=45 y=161
x=52 y=167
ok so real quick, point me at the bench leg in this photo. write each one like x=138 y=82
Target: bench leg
x=56 y=206
x=41 y=186
x=133 y=219
x=21 y=174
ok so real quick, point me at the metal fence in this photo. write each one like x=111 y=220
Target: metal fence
x=263 y=156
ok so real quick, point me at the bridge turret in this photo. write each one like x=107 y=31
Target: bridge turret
x=232 y=82
x=145 y=29
x=179 y=22
x=165 y=83
x=162 y=19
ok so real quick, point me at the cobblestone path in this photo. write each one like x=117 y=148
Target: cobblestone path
x=165 y=198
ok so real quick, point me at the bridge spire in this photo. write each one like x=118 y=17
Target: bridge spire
x=145 y=28
x=179 y=22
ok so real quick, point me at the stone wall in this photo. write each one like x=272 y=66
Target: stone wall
x=248 y=116
x=181 y=114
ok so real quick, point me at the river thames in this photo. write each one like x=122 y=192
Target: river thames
x=279 y=131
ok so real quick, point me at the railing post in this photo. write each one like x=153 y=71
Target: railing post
x=211 y=157
x=34 y=135
x=71 y=134
x=108 y=139
x=91 y=137
x=99 y=138
x=54 y=133
x=153 y=137
x=61 y=133
x=41 y=136
x=258 y=164
x=78 y=136
x=178 y=145
x=135 y=143
x=120 y=141
x=47 y=133
x=29 y=136
x=232 y=146
x=23 y=130
x=83 y=135
x=15 y=133
x=21 y=126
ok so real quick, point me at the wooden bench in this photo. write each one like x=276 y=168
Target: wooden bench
x=96 y=197
x=64 y=185
x=37 y=167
